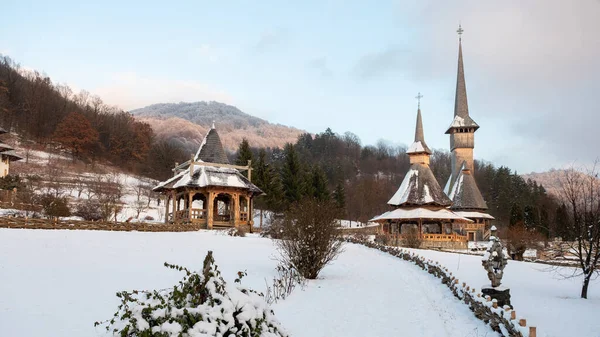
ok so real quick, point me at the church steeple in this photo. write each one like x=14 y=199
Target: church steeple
x=419 y=152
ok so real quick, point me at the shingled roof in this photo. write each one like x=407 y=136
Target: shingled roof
x=419 y=145
x=204 y=176
x=2 y=131
x=211 y=149
x=465 y=194
x=419 y=188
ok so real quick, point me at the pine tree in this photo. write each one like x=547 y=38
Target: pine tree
x=243 y=154
x=319 y=185
x=291 y=175
x=339 y=197
x=563 y=226
x=516 y=215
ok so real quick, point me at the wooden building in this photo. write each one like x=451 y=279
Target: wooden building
x=209 y=191
x=461 y=187
x=421 y=203
x=7 y=155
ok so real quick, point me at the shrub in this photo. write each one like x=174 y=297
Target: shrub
x=202 y=304
x=55 y=206
x=89 y=210
x=284 y=283
x=309 y=236
x=239 y=231
x=411 y=238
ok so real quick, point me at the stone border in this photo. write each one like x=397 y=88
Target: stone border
x=502 y=320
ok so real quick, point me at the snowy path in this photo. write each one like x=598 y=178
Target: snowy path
x=367 y=293
x=57 y=283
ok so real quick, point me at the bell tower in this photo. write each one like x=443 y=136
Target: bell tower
x=463 y=127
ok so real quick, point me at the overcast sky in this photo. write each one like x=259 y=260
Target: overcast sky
x=532 y=67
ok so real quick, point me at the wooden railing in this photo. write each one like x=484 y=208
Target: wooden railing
x=198 y=213
x=444 y=237
x=222 y=217
x=472 y=226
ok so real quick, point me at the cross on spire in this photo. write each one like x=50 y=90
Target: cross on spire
x=418 y=97
x=460 y=32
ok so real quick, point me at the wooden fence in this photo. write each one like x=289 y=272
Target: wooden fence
x=18 y=222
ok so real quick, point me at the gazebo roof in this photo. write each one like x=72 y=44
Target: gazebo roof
x=211 y=149
x=2 y=131
x=206 y=176
x=12 y=156
x=465 y=194
x=5 y=147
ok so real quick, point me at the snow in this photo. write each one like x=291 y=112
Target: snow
x=426 y=194
x=57 y=283
x=419 y=213
x=416 y=147
x=539 y=294
x=349 y=224
x=403 y=192
x=474 y=215
x=457 y=185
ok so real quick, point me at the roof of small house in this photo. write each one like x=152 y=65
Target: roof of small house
x=12 y=156
x=418 y=188
x=2 y=131
x=414 y=213
x=5 y=147
x=465 y=194
x=211 y=149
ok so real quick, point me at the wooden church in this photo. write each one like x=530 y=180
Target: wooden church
x=7 y=155
x=208 y=191
x=444 y=218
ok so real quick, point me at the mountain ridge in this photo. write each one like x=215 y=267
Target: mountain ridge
x=186 y=123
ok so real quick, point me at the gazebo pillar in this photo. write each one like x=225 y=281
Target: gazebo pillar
x=235 y=198
x=210 y=210
x=190 y=197
x=167 y=199
x=174 y=210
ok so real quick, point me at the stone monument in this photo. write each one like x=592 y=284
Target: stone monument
x=494 y=261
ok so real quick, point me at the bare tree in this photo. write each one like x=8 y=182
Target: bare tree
x=581 y=193
x=309 y=237
x=142 y=199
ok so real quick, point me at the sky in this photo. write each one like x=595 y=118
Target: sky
x=532 y=67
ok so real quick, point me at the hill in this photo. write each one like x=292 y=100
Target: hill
x=551 y=180
x=187 y=123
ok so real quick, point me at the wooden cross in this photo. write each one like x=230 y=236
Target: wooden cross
x=460 y=32
x=418 y=97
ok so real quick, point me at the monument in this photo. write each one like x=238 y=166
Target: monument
x=494 y=262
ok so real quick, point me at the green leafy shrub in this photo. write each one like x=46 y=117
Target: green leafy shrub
x=202 y=304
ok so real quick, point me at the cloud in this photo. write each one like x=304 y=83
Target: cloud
x=207 y=52
x=320 y=65
x=379 y=63
x=270 y=38
x=130 y=90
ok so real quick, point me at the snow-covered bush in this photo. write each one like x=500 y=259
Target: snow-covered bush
x=89 y=210
x=202 y=304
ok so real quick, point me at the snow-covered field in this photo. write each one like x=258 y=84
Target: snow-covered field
x=539 y=293
x=57 y=283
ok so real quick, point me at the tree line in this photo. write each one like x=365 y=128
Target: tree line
x=361 y=179
x=44 y=114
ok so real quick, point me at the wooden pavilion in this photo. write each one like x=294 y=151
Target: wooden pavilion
x=208 y=191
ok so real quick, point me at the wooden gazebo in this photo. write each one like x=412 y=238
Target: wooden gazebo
x=208 y=191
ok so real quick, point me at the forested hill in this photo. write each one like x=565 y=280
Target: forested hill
x=186 y=124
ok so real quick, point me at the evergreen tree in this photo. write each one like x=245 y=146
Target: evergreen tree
x=563 y=226
x=516 y=215
x=339 y=196
x=292 y=175
x=243 y=153
x=319 y=188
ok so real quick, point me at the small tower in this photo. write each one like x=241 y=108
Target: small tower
x=419 y=152
x=463 y=127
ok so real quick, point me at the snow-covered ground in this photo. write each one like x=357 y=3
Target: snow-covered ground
x=539 y=293
x=57 y=283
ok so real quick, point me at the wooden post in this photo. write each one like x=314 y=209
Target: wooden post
x=532 y=332
x=167 y=199
x=174 y=210
x=236 y=209
x=210 y=211
x=513 y=315
x=190 y=198
x=523 y=322
x=250 y=170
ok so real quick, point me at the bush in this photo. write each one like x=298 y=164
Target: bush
x=202 y=304
x=89 y=210
x=411 y=238
x=309 y=236
x=10 y=182
x=284 y=283
x=55 y=206
x=239 y=231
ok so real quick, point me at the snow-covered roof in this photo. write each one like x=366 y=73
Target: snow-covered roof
x=5 y=147
x=420 y=213
x=12 y=156
x=474 y=215
x=2 y=131
x=205 y=175
x=419 y=187
x=465 y=194
x=418 y=147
